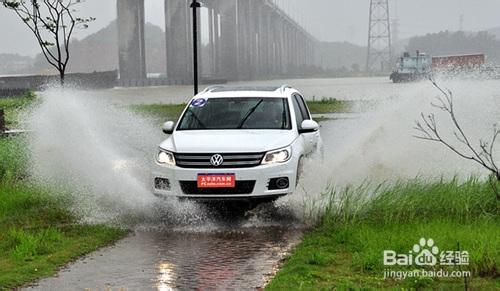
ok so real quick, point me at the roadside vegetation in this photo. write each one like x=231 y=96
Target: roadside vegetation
x=14 y=106
x=174 y=111
x=346 y=250
x=38 y=234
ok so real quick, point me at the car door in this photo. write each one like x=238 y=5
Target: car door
x=302 y=113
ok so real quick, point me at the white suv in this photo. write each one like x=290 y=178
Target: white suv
x=236 y=143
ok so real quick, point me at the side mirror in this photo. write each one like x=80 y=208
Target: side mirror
x=309 y=126
x=168 y=127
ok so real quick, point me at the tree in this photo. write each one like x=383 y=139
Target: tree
x=450 y=43
x=53 y=23
x=482 y=154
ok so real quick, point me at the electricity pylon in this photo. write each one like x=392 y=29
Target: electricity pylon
x=379 y=37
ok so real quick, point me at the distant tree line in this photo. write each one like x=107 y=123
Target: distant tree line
x=449 y=43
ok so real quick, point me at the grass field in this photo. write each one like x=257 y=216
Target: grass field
x=346 y=250
x=38 y=234
x=173 y=111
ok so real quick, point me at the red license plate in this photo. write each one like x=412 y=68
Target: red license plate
x=216 y=180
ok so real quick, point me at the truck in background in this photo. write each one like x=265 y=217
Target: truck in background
x=421 y=66
x=412 y=68
x=458 y=62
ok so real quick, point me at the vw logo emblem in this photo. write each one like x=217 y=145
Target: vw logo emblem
x=216 y=160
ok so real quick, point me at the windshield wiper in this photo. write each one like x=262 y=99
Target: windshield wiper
x=249 y=113
x=197 y=118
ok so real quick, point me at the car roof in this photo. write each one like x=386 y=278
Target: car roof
x=225 y=91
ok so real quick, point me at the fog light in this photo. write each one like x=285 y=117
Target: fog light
x=278 y=183
x=282 y=183
x=162 y=184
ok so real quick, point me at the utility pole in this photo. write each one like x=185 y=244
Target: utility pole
x=195 y=5
x=379 y=36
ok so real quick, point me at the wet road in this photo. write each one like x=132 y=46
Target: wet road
x=235 y=250
x=226 y=259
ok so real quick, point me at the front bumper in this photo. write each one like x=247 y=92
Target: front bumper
x=262 y=175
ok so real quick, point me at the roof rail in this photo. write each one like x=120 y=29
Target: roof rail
x=284 y=87
x=213 y=87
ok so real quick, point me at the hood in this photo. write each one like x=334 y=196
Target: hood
x=227 y=141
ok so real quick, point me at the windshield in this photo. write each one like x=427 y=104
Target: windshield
x=236 y=113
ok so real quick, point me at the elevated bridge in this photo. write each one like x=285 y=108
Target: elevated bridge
x=247 y=39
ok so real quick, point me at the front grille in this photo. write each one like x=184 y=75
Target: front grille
x=233 y=160
x=241 y=187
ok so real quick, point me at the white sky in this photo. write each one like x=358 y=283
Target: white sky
x=331 y=20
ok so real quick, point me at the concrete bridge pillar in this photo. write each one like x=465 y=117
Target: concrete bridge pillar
x=253 y=39
x=276 y=57
x=291 y=52
x=131 y=42
x=211 y=41
x=284 y=47
x=178 y=40
x=295 y=47
x=302 y=46
x=244 y=39
x=229 y=36
x=216 y=37
x=269 y=41
x=263 y=40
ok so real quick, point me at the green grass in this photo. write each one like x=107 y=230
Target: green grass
x=38 y=234
x=330 y=105
x=345 y=251
x=173 y=111
x=15 y=106
x=160 y=111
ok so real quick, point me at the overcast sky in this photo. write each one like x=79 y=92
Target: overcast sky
x=331 y=20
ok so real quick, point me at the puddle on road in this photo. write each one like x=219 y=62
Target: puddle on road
x=238 y=251
x=238 y=259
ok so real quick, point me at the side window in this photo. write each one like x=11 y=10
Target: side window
x=302 y=107
x=298 y=113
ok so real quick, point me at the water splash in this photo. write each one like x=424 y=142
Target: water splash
x=103 y=152
x=379 y=146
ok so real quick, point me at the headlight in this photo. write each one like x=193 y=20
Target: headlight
x=277 y=156
x=165 y=158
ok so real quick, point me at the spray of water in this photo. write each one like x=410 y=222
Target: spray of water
x=103 y=152
x=380 y=147
x=102 y=155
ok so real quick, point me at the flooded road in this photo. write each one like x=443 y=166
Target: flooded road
x=341 y=89
x=227 y=259
x=229 y=252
